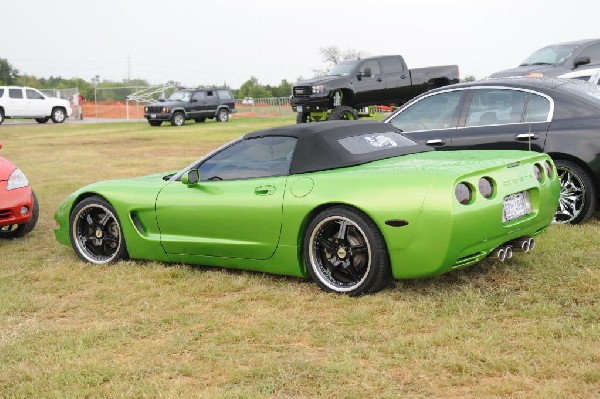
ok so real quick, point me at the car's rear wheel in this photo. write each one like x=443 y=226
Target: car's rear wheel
x=58 y=115
x=1 y=116
x=222 y=115
x=577 y=201
x=343 y=113
x=17 y=231
x=96 y=233
x=345 y=253
x=178 y=119
x=201 y=119
x=155 y=123
x=42 y=120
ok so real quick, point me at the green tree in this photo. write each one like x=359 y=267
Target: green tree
x=251 y=88
x=468 y=78
x=8 y=74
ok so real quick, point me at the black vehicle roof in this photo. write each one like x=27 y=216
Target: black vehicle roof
x=318 y=146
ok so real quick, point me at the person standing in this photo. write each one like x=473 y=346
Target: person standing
x=77 y=103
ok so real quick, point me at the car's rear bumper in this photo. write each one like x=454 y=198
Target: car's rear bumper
x=11 y=204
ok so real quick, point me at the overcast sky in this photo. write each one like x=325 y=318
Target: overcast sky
x=211 y=42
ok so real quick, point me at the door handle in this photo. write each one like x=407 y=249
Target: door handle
x=265 y=190
x=526 y=136
x=436 y=142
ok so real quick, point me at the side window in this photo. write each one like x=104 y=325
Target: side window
x=584 y=78
x=537 y=110
x=495 y=106
x=391 y=65
x=211 y=95
x=33 y=95
x=433 y=112
x=370 y=68
x=258 y=157
x=1 y=92
x=15 y=93
x=592 y=51
x=199 y=95
x=224 y=94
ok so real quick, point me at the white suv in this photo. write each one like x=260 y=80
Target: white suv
x=25 y=102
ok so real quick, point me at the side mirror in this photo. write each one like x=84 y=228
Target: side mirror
x=191 y=178
x=581 y=61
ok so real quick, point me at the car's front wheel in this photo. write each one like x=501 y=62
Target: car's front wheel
x=222 y=115
x=343 y=113
x=345 y=253
x=577 y=201
x=17 y=231
x=178 y=119
x=58 y=115
x=96 y=233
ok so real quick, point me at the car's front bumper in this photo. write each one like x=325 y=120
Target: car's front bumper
x=11 y=204
x=158 y=117
x=313 y=103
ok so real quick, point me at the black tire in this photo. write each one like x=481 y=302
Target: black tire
x=222 y=115
x=178 y=119
x=59 y=115
x=201 y=119
x=1 y=116
x=42 y=120
x=343 y=113
x=96 y=232
x=344 y=252
x=577 y=201
x=155 y=123
x=302 y=117
x=24 y=228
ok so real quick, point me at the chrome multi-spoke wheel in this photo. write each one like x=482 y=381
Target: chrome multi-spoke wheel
x=178 y=119
x=96 y=234
x=576 y=203
x=58 y=115
x=345 y=252
x=222 y=115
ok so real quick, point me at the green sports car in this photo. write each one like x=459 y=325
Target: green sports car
x=349 y=204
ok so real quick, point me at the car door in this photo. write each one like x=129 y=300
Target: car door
x=397 y=80
x=197 y=103
x=235 y=210
x=431 y=119
x=503 y=119
x=370 y=84
x=210 y=106
x=36 y=103
x=15 y=105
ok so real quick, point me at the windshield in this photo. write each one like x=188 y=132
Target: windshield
x=342 y=69
x=181 y=95
x=551 y=55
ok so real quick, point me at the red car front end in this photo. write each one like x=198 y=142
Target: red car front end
x=18 y=204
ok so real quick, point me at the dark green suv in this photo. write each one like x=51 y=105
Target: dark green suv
x=196 y=104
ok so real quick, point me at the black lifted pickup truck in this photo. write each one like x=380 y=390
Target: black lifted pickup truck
x=356 y=85
x=197 y=104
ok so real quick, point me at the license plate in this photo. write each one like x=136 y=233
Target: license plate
x=152 y=116
x=299 y=108
x=515 y=206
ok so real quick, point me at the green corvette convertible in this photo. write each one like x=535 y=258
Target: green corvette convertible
x=349 y=204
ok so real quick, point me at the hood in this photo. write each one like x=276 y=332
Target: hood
x=166 y=103
x=6 y=168
x=318 y=81
x=546 y=70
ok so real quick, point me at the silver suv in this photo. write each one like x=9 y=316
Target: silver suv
x=28 y=103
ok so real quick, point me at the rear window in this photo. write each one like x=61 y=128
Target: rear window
x=372 y=142
x=224 y=94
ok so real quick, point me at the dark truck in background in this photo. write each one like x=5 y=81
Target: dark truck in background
x=357 y=85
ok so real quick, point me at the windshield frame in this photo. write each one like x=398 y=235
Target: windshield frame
x=344 y=68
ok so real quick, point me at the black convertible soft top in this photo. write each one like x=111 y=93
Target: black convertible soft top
x=338 y=144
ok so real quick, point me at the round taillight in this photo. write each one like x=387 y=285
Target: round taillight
x=463 y=193
x=486 y=188
x=537 y=168
x=548 y=168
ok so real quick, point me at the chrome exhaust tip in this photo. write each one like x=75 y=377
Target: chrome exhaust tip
x=531 y=244
x=522 y=244
x=499 y=254
x=509 y=252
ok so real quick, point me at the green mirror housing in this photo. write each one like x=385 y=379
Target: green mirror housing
x=191 y=178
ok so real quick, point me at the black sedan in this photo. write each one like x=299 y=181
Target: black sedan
x=558 y=116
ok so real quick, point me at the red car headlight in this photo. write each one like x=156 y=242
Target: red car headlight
x=16 y=180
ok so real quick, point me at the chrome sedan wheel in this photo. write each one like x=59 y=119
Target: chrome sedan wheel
x=576 y=202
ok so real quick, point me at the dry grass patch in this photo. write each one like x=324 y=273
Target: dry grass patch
x=526 y=328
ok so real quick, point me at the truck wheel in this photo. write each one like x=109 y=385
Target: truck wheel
x=58 y=115
x=222 y=115
x=343 y=113
x=178 y=119
x=1 y=116
x=302 y=117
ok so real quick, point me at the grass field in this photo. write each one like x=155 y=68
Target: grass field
x=527 y=328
